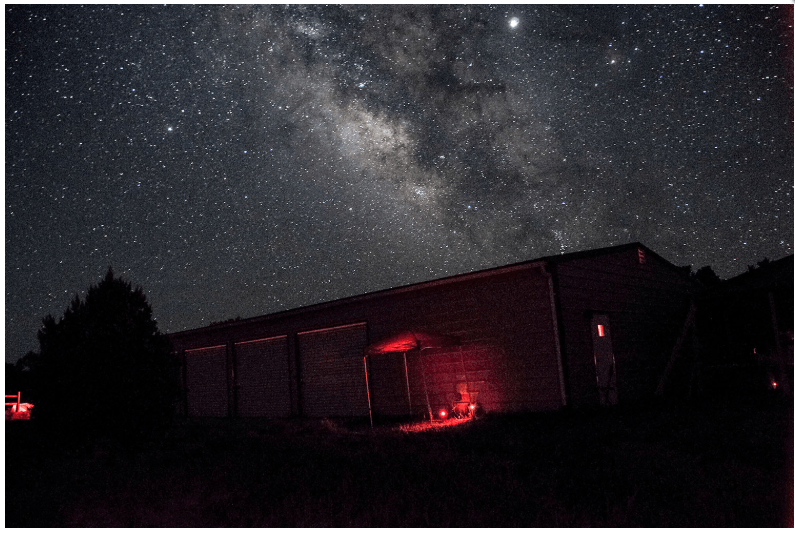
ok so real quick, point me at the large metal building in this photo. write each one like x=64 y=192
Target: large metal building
x=581 y=329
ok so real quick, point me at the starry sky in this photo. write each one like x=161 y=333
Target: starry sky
x=237 y=161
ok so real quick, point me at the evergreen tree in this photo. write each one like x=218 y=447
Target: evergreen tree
x=104 y=367
x=707 y=277
x=18 y=377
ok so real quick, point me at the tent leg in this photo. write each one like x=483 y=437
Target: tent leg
x=408 y=390
x=425 y=383
x=466 y=378
x=367 y=383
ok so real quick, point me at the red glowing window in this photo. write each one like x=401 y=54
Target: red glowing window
x=601 y=329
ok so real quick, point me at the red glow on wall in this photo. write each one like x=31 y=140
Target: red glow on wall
x=601 y=329
x=411 y=340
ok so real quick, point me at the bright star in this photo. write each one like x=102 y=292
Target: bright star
x=514 y=22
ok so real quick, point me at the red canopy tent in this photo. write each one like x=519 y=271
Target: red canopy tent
x=401 y=343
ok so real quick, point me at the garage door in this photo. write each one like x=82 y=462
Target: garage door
x=263 y=378
x=205 y=371
x=332 y=369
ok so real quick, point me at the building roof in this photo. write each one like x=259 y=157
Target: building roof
x=769 y=275
x=526 y=264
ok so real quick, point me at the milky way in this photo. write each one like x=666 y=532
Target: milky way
x=236 y=161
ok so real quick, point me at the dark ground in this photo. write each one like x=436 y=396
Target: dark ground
x=712 y=466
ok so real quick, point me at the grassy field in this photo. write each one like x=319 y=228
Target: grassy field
x=729 y=466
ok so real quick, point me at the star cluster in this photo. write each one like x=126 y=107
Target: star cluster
x=235 y=161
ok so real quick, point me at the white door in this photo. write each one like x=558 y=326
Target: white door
x=604 y=361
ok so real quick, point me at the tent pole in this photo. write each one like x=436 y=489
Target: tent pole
x=367 y=383
x=408 y=390
x=466 y=378
x=425 y=383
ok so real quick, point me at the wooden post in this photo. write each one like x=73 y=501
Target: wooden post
x=367 y=384
x=691 y=315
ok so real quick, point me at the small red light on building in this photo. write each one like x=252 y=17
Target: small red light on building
x=774 y=385
x=601 y=330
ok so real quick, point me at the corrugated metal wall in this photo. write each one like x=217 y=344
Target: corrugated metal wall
x=333 y=371
x=207 y=391
x=262 y=377
x=646 y=302
x=309 y=361
x=507 y=359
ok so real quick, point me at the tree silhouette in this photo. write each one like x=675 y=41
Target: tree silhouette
x=707 y=277
x=104 y=367
x=18 y=377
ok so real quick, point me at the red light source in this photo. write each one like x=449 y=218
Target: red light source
x=19 y=411
x=443 y=414
x=774 y=385
x=601 y=330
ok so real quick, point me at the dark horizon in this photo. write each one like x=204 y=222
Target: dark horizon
x=237 y=161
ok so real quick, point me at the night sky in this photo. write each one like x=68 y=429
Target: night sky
x=236 y=161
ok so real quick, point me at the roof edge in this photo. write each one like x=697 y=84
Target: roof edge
x=472 y=275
